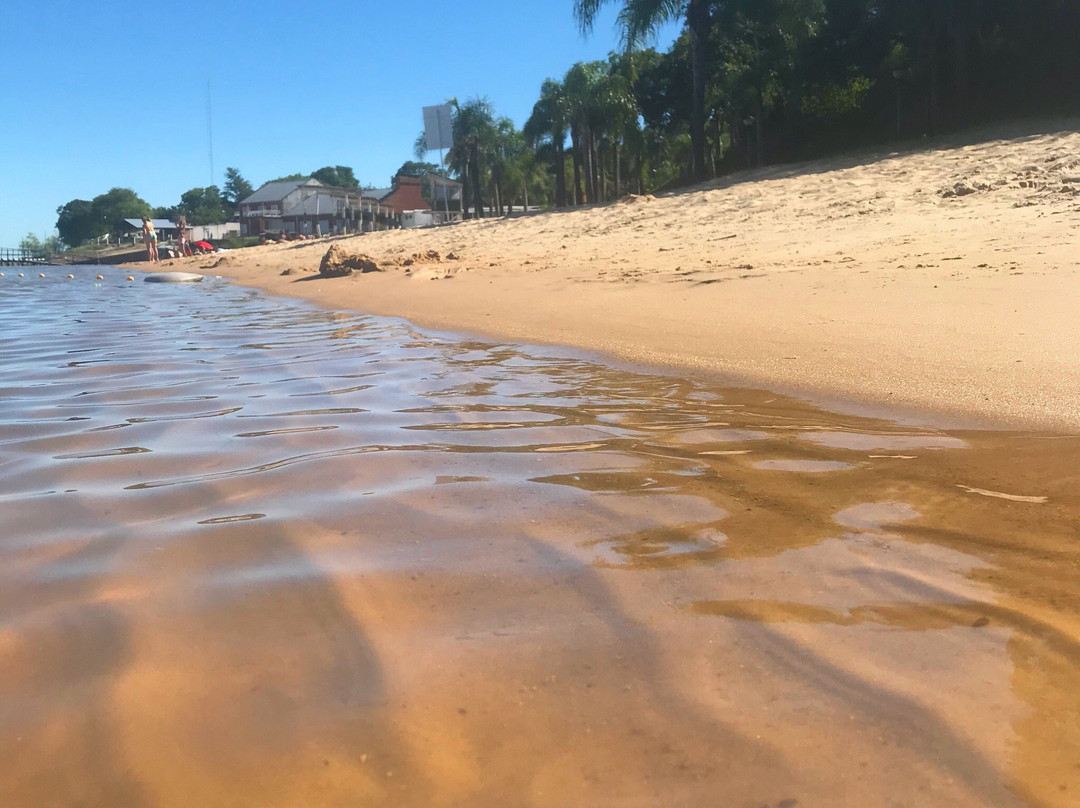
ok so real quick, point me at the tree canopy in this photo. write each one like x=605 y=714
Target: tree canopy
x=236 y=188
x=203 y=206
x=414 y=168
x=337 y=176
x=79 y=220
x=745 y=83
x=32 y=243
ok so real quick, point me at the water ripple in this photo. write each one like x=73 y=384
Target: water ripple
x=621 y=571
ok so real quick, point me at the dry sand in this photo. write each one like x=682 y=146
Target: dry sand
x=944 y=280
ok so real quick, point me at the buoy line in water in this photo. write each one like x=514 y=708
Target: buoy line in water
x=158 y=277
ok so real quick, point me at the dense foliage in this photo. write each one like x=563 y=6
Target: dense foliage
x=236 y=189
x=751 y=82
x=747 y=82
x=31 y=243
x=80 y=221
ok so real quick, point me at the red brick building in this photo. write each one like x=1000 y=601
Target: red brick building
x=405 y=195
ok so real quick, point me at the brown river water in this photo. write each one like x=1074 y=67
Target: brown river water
x=254 y=553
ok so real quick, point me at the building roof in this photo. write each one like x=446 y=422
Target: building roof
x=321 y=204
x=159 y=224
x=276 y=191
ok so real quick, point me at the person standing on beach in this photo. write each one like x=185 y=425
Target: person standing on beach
x=149 y=239
x=182 y=241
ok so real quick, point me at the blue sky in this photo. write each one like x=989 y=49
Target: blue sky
x=102 y=94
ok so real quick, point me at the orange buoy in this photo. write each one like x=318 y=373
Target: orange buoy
x=20 y=274
x=41 y=274
x=70 y=277
x=130 y=278
x=101 y=277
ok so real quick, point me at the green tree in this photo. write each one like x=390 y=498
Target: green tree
x=337 y=176
x=546 y=130
x=581 y=86
x=203 y=206
x=170 y=212
x=616 y=124
x=528 y=179
x=51 y=244
x=414 y=168
x=639 y=20
x=474 y=139
x=80 y=221
x=76 y=224
x=506 y=144
x=603 y=114
x=761 y=42
x=236 y=188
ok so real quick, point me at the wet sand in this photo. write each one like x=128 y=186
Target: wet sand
x=260 y=554
x=942 y=282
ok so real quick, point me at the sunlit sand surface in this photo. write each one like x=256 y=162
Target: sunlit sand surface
x=255 y=553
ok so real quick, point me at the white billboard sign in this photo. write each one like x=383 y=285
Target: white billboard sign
x=438 y=129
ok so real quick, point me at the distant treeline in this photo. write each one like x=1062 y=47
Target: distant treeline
x=82 y=220
x=751 y=82
x=746 y=83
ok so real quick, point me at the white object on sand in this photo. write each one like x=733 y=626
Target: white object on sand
x=173 y=277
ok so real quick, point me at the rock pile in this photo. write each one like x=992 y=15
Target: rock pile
x=337 y=263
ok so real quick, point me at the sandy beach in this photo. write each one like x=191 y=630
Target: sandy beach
x=942 y=281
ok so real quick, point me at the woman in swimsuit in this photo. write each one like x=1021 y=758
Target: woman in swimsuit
x=149 y=239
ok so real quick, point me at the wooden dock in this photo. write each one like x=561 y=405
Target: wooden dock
x=21 y=257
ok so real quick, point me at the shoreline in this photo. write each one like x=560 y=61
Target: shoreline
x=943 y=284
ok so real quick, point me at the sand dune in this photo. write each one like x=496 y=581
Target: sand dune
x=943 y=280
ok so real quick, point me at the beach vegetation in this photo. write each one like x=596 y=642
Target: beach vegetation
x=744 y=83
x=415 y=168
x=236 y=188
x=79 y=221
x=545 y=132
x=336 y=176
x=49 y=244
x=291 y=178
x=204 y=206
x=752 y=82
x=475 y=141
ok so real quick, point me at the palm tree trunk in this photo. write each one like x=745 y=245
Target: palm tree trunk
x=719 y=145
x=465 y=192
x=759 y=112
x=697 y=19
x=478 y=192
x=586 y=159
x=597 y=169
x=618 y=173
x=560 y=174
x=575 y=154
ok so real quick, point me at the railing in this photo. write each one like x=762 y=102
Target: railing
x=23 y=257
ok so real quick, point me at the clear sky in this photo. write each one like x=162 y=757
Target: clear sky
x=101 y=94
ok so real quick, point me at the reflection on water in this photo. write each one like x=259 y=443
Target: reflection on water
x=256 y=553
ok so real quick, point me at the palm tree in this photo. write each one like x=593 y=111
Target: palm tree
x=504 y=147
x=640 y=19
x=617 y=115
x=547 y=127
x=474 y=138
x=583 y=86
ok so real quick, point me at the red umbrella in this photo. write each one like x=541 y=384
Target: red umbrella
x=204 y=245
